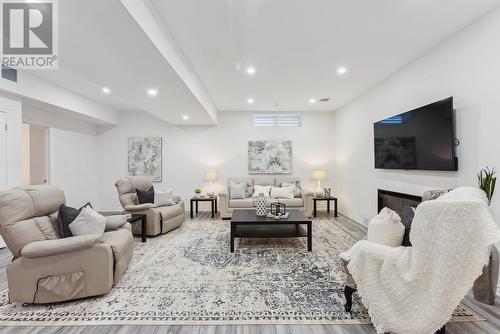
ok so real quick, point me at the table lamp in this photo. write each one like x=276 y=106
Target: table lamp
x=210 y=176
x=318 y=175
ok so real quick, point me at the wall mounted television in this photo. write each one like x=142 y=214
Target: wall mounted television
x=421 y=139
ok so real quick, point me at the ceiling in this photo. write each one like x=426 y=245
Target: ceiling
x=296 y=46
x=196 y=52
x=100 y=45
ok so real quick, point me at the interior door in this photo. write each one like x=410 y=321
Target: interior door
x=3 y=151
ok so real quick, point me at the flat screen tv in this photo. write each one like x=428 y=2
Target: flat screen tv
x=420 y=139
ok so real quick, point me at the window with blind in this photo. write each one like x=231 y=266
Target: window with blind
x=276 y=120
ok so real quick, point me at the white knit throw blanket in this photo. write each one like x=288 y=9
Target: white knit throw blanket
x=414 y=290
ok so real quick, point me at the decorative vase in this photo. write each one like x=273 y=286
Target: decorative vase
x=485 y=286
x=260 y=205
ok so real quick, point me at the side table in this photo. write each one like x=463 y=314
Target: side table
x=327 y=199
x=142 y=218
x=196 y=200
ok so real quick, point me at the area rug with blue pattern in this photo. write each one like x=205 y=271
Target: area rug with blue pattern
x=188 y=276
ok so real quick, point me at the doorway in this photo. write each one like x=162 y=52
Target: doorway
x=3 y=151
x=35 y=154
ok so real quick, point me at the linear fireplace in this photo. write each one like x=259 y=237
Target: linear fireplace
x=396 y=201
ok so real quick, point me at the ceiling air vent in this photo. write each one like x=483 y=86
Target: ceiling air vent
x=9 y=73
x=276 y=120
x=324 y=99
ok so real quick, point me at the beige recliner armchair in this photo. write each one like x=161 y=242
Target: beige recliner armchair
x=48 y=269
x=159 y=220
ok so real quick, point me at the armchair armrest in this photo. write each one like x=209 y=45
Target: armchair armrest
x=58 y=246
x=139 y=207
x=116 y=221
x=307 y=192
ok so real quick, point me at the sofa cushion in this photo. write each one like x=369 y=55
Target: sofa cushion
x=18 y=234
x=241 y=203
x=258 y=189
x=290 y=181
x=292 y=202
x=171 y=211
x=163 y=198
x=283 y=192
x=247 y=181
x=237 y=190
x=65 y=217
x=386 y=228
x=88 y=222
x=263 y=182
x=145 y=196
x=407 y=214
x=47 y=227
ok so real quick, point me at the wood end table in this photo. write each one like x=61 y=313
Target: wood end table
x=136 y=217
x=196 y=200
x=327 y=199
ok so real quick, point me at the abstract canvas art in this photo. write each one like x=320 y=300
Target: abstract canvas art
x=270 y=157
x=144 y=157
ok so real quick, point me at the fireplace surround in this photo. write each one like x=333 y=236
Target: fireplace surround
x=396 y=201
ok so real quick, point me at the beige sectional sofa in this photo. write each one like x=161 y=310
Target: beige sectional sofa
x=48 y=269
x=302 y=202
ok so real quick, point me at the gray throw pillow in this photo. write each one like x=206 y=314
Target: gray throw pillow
x=407 y=214
x=237 y=190
x=295 y=185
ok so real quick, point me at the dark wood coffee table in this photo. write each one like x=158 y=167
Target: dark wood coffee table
x=246 y=224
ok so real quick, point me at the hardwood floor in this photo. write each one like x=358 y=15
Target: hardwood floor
x=490 y=326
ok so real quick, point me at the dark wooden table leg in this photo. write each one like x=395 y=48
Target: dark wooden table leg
x=232 y=238
x=144 y=227
x=213 y=208
x=216 y=206
x=348 y=291
x=196 y=207
x=314 y=207
x=335 y=208
x=191 y=206
x=441 y=330
x=328 y=205
x=309 y=236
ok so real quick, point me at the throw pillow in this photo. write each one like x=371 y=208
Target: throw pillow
x=261 y=189
x=237 y=190
x=295 y=185
x=88 y=222
x=386 y=228
x=65 y=216
x=163 y=198
x=248 y=186
x=145 y=196
x=407 y=214
x=282 y=192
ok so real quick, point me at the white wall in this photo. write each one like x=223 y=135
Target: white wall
x=25 y=153
x=73 y=154
x=467 y=67
x=75 y=166
x=12 y=107
x=188 y=151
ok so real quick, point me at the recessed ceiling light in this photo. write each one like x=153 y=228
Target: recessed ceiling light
x=251 y=70
x=185 y=117
x=341 y=70
x=250 y=101
x=312 y=101
x=106 y=90
x=152 y=92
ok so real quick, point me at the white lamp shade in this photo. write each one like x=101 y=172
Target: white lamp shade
x=210 y=175
x=318 y=175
